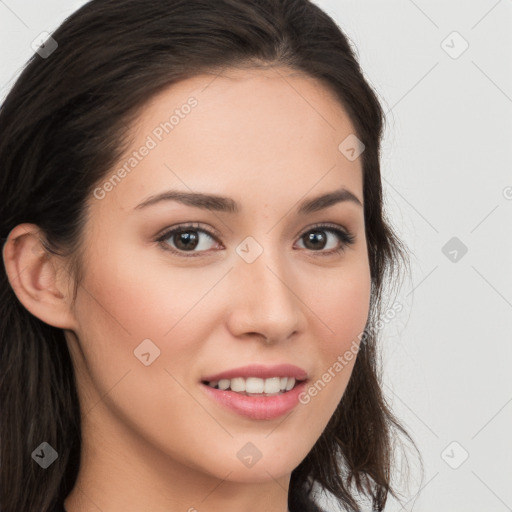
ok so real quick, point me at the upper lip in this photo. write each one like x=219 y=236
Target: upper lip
x=261 y=371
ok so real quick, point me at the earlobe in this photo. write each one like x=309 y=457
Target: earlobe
x=34 y=276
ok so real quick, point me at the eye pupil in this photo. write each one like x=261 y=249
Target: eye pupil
x=189 y=238
x=313 y=237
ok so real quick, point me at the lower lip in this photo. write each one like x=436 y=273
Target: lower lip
x=257 y=407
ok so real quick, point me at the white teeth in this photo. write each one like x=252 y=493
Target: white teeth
x=237 y=384
x=223 y=383
x=255 y=385
x=272 y=385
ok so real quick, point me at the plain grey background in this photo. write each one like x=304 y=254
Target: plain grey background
x=443 y=72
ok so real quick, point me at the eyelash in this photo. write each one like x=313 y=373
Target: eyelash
x=346 y=238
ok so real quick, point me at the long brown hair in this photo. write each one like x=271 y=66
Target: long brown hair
x=63 y=126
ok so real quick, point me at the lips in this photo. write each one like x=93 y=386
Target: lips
x=261 y=371
x=256 y=407
x=260 y=406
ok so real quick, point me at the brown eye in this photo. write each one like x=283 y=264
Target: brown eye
x=316 y=239
x=184 y=239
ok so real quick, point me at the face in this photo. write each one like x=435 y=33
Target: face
x=251 y=279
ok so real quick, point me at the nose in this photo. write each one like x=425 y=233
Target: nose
x=264 y=302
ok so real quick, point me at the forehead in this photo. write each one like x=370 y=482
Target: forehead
x=240 y=132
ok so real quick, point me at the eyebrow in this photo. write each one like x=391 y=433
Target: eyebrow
x=228 y=205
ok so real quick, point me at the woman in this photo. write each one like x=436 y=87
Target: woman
x=194 y=255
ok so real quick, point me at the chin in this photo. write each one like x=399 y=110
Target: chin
x=253 y=464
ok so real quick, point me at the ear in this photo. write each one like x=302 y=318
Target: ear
x=38 y=278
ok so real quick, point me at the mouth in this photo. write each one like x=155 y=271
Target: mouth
x=255 y=386
x=258 y=392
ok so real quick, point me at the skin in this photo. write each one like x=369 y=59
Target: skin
x=152 y=439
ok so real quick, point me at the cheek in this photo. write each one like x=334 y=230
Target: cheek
x=342 y=305
x=138 y=296
x=128 y=300
x=343 y=308
x=120 y=308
